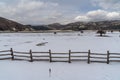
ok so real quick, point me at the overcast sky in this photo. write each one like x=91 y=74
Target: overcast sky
x=62 y=11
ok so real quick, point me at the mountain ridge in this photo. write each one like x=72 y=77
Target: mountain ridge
x=10 y=25
x=113 y=24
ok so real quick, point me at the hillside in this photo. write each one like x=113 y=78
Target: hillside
x=82 y=26
x=10 y=25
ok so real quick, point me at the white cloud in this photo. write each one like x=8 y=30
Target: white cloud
x=82 y=18
x=52 y=11
x=113 y=15
x=98 y=15
x=107 y=4
x=31 y=11
x=30 y=5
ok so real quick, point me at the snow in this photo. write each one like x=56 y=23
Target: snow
x=60 y=42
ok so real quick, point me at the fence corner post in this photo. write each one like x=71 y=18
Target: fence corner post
x=89 y=56
x=69 y=60
x=31 y=57
x=11 y=50
x=50 y=56
x=108 y=56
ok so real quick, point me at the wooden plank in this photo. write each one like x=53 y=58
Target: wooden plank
x=79 y=59
x=11 y=50
x=59 y=53
x=89 y=56
x=41 y=59
x=97 y=54
x=50 y=58
x=79 y=56
x=114 y=53
x=78 y=52
x=108 y=56
x=114 y=57
x=58 y=61
x=69 y=59
x=5 y=54
x=20 y=52
x=59 y=57
x=5 y=51
x=5 y=58
x=21 y=56
x=41 y=56
x=99 y=61
x=114 y=60
x=99 y=57
x=21 y=59
x=31 y=57
x=40 y=52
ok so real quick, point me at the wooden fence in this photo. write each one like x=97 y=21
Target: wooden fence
x=69 y=56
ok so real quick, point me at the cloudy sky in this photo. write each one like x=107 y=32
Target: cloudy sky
x=62 y=11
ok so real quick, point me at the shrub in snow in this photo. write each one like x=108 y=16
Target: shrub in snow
x=55 y=32
x=101 y=32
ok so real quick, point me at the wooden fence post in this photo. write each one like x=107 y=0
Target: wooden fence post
x=88 y=56
x=108 y=56
x=50 y=56
x=69 y=60
x=11 y=50
x=31 y=57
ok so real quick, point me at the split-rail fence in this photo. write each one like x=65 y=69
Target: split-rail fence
x=69 y=56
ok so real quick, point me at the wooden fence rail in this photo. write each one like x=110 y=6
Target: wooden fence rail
x=69 y=56
x=114 y=57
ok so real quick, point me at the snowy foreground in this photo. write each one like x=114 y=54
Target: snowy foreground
x=61 y=42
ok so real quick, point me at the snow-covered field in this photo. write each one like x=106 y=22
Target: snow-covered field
x=60 y=42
